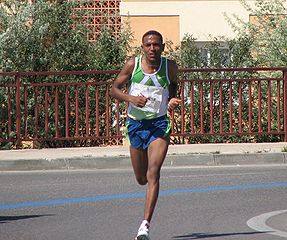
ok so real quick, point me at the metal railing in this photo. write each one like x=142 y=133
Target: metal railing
x=75 y=108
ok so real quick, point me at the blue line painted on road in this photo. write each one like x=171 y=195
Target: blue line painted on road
x=134 y=195
x=71 y=200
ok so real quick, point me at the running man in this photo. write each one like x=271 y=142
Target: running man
x=152 y=87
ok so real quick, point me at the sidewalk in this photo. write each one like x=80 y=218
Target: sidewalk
x=118 y=156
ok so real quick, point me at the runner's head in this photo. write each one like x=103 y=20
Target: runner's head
x=152 y=45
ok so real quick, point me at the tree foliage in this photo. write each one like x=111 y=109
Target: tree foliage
x=49 y=36
x=268 y=30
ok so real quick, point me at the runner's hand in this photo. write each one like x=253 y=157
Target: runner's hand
x=140 y=101
x=173 y=103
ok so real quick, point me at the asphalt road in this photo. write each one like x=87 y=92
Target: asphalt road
x=195 y=203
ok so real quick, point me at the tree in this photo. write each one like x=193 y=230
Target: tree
x=40 y=37
x=267 y=29
x=49 y=36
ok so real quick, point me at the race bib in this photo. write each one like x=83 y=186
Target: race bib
x=154 y=95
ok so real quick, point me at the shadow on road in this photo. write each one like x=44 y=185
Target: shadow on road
x=6 y=219
x=212 y=235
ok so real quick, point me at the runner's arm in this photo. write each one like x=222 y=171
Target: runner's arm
x=121 y=81
x=172 y=75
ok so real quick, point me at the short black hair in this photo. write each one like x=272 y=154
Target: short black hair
x=153 y=32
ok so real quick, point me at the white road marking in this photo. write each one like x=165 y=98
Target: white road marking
x=258 y=223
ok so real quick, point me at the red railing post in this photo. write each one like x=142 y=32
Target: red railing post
x=18 y=111
x=87 y=112
x=230 y=108
x=211 y=107
x=57 y=112
x=240 y=115
x=285 y=104
x=67 y=111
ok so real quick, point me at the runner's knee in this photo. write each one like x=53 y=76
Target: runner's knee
x=141 y=180
x=153 y=174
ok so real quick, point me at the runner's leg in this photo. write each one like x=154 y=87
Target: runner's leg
x=140 y=164
x=156 y=154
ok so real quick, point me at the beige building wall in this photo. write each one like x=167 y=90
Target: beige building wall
x=168 y=26
x=200 y=18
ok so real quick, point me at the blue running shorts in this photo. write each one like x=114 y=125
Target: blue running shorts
x=140 y=133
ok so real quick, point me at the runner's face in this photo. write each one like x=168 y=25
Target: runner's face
x=152 y=47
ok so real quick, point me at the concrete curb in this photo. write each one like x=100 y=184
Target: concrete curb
x=122 y=162
x=112 y=157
